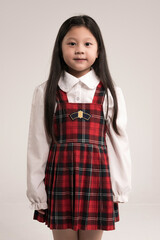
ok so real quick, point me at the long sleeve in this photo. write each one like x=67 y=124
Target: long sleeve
x=37 y=152
x=118 y=151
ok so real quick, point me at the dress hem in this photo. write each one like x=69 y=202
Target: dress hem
x=69 y=226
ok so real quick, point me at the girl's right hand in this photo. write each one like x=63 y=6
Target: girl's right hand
x=41 y=211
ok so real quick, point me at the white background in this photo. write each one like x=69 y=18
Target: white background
x=130 y=30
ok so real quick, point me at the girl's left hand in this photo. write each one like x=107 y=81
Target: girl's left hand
x=41 y=211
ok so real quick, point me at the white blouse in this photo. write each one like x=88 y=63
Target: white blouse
x=79 y=90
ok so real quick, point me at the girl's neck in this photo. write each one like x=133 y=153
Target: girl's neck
x=78 y=74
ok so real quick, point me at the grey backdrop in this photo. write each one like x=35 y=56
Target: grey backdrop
x=131 y=36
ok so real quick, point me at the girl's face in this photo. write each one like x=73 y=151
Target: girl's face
x=80 y=50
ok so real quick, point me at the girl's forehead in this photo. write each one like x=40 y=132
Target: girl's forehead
x=79 y=32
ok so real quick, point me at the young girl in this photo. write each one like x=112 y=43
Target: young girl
x=78 y=160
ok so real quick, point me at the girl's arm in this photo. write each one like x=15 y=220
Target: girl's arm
x=118 y=151
x=37 y=152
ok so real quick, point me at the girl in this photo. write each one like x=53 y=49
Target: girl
x=78 y=160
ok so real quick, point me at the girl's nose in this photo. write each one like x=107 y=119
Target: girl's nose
x=79 y=50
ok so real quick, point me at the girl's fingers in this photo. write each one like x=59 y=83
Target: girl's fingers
x=41 y=211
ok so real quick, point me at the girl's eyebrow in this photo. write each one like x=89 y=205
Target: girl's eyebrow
x=87 y=38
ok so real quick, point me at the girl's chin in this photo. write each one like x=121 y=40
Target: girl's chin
x=80 y=68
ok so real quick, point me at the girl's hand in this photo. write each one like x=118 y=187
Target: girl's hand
x=41 y=211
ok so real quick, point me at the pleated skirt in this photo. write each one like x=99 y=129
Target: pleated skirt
x=78 y=187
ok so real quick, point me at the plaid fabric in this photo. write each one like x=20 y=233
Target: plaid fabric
x=77 y=176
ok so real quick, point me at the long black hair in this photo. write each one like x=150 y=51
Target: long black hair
x=58 y=66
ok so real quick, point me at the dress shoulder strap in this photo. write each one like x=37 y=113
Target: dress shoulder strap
x=99 y=94
x=61 y=96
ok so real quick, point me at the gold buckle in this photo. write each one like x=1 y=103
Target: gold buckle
x=80 y=114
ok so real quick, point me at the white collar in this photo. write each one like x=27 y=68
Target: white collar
x=90 y=79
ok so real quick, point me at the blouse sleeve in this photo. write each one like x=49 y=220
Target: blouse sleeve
x=37 y=152
x=118 y=151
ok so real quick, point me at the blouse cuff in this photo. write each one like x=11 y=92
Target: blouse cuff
x=38 y=206
x=120 y=198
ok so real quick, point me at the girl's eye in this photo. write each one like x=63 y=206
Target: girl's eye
x=88 y=44
x=71 y=43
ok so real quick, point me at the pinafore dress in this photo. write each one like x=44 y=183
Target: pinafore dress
x=77 y=175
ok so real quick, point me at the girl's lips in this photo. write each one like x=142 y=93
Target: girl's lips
x=80 y=59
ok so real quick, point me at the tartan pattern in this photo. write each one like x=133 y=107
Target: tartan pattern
x=77 y=176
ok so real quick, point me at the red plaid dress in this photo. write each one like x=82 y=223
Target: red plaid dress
x=77 y=176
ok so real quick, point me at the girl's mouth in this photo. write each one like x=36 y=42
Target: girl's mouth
x=80 y=59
